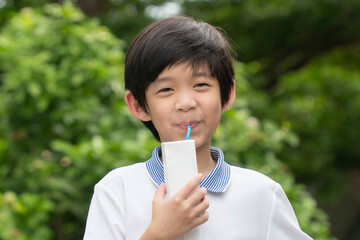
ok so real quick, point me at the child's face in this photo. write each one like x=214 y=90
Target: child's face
x=180 y=96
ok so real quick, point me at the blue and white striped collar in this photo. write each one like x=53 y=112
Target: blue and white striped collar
x=216 y=181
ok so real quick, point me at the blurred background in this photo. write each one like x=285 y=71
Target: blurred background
x=64 y=124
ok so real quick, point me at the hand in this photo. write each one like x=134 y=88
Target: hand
x=174 y=217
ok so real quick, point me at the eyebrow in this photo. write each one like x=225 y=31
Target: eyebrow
x=196 y=74
x=161 y=79
x=201 y=74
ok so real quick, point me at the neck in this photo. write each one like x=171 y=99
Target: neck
x=204 y=161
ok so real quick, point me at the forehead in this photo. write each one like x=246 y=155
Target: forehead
x=197 y=70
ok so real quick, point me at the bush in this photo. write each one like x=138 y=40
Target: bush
x=63 y=116
x=320 y=102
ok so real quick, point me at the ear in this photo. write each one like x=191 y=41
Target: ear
x=135 y=109
x=232 y=97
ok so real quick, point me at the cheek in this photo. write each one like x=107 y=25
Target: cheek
x=159 y=114
x=213 y=104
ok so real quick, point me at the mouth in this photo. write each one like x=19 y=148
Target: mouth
x=183 y=125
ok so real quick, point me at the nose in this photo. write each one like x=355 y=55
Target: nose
x=185 y=101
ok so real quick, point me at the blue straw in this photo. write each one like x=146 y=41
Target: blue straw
x=188 y=132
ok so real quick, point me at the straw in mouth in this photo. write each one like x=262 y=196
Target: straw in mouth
x=188 y=132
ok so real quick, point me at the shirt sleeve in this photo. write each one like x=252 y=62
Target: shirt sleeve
x=106 y=217
x=283 y=223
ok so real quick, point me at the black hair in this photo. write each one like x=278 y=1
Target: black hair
x=175 y=40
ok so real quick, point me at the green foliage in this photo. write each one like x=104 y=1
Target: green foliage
x=21 y=214
x=281 y=35
x=321 y=104
x=64 y=125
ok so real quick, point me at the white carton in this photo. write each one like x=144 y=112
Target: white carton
x=180 y=165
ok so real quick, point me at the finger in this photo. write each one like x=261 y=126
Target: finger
x=190 y=186
x=201 y=219
x=197 y=197
x=201 y=207
x=160 y=193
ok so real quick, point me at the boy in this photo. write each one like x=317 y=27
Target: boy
x=179 y=71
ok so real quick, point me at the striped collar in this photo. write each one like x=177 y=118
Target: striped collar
x=216 y=181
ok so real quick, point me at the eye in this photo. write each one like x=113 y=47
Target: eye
x=165 y=90
x=201 y=85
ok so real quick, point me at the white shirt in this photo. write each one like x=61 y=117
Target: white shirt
x=244 y=204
